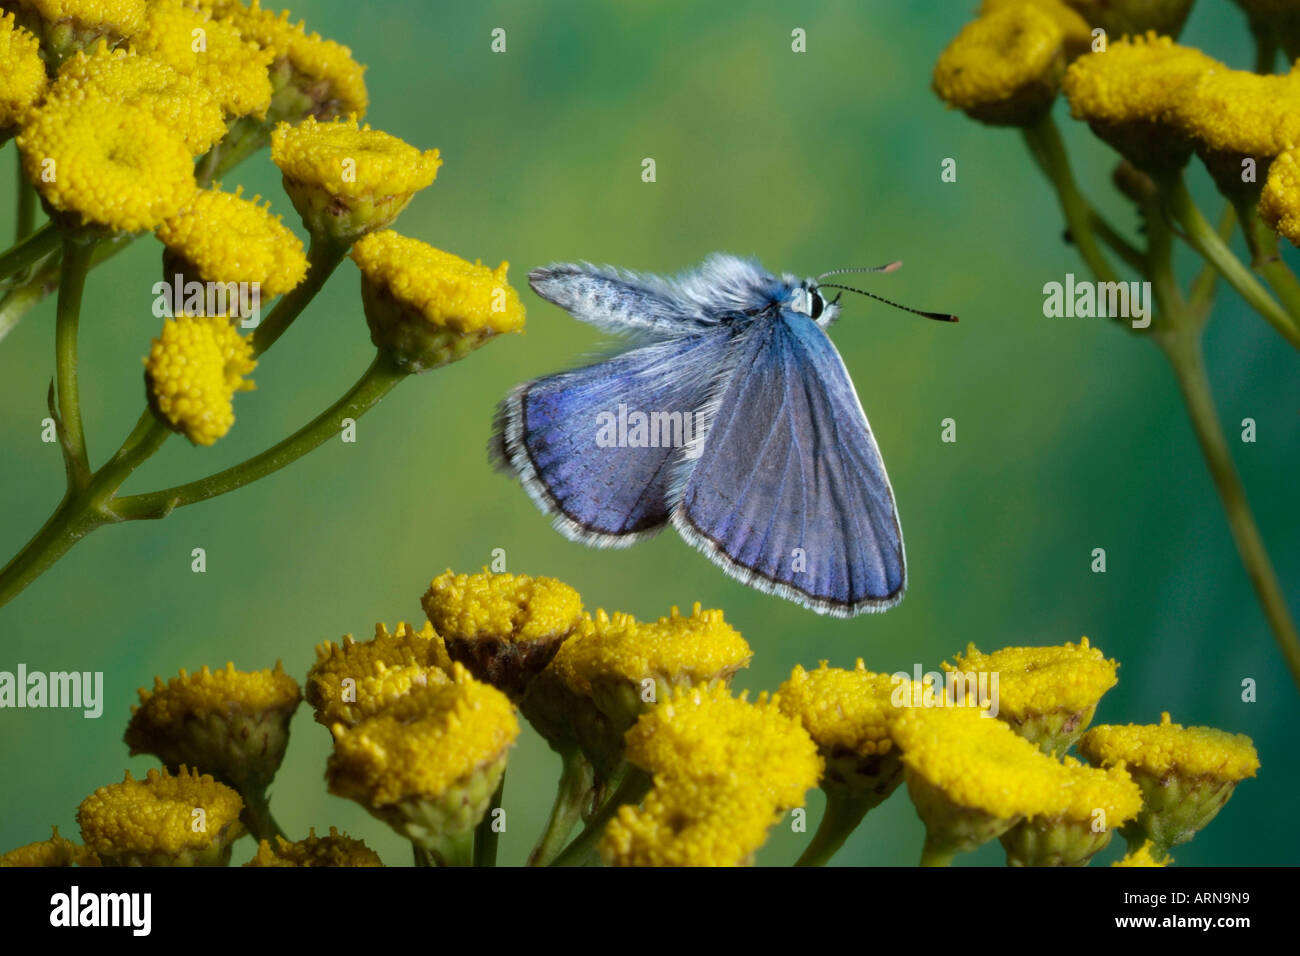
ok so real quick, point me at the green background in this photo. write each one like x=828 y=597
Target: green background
x=1070 y=432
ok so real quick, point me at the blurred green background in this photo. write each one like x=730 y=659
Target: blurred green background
x=1070 y=434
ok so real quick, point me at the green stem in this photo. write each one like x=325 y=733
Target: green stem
x=25 y=221
x=258 y=819
x=1202 y=291
x=1185 y=356
x=379 y=379
x=1045 y=143
x=323 y=257
x=421 y=855
x=486 y=837
x=29 y=250
x=21 y=299
x=76 y=262
x=582 y=851
x=1205 y=240
x=1266 y=259
x=576 y=779
x=843 y=814
x=934 y=854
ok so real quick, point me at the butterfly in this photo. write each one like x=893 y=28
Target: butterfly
x=730 y=416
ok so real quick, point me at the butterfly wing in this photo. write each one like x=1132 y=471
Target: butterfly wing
x=790 y=494
x=610 y=494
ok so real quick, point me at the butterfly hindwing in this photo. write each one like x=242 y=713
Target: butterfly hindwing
x=790 y=493
x=549 y=433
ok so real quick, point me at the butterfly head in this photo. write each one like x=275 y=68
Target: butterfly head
x=804 y=298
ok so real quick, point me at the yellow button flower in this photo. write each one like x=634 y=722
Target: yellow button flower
x=312 y=76
x=337 y=849
x=56 y=851
x=1005 y=67
x=970 y=777
x=233 y=69
x=1091 y=805
x=1239 y=112
x=429 y=765
x=183 y=820
x=67 y=26
x=193 y=372
x=346 y=180
x=352 y=680
x=1142 y=857
x=1047 y=694
x=505 y=628
x=115 y=79
x=22 y=72
x=1076 y=30
x=232 y=724
x=426 y=307
x=1186 y=774
x=222 y=237
x=113 y=167
x=1279 y=204
x=718 y=827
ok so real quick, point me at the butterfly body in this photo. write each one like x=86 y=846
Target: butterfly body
x=778 y=480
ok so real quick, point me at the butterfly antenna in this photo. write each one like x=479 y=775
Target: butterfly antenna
x=937 y=316
x=887 y=267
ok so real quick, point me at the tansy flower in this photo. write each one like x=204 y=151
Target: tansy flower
x=1142 y=857
x=429 y=765
x=1130 y=94
x=193 y=372
x=351 y=681
x=233 y=69
x=222 y=237
x=1005 y=67
x=505 y=628
x=311 y=76
x=1047 y=694
x=346 y=180
x=426 y=307
x=1077 y=32
x=22 y=72
x=724 y=770
x=56 y=851
x=232 y=724
x=108 y=79
x=183 y=820
x=1186 y=774
x=970 y=777
x=112 y=167
x=1091 y=804
x=67 y=26
x=1279 y=204
x=337 y=849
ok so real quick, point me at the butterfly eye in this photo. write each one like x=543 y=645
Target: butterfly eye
x=817 y=303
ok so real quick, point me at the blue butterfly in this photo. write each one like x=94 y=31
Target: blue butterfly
x=730 y=416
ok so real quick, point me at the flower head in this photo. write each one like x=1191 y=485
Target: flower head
x=426 y=307
x=1047 y=694
x=686 y=827
x=1142 y=857
x=337 y=849
x=311 y=76
x=1077 y=32
x=351 y=681
x=346 y=180
x=22 y=72
x=1090 y=806
x=1279 y=204
x=222 y=237
x=56 y=851
x=505 y=628
x=193 y=371
x=67 y=26
x=164 y=820
x=232 y=724
x=1242 y=113
x=1005 y=67
x=113 y=167
x=1186 y=774
x=429 y=764
x=212 y=51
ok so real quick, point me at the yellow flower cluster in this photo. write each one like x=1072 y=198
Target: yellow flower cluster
x=351 y=161
x=193 y=372
x=843 y=711
x=120 y=18
x=231 y=67
x=154 y=820
x=56 y=851
x=217 y=692
x=381 y=671
x=226 y=238
x=503 y=607
x=22 y=71
x=1167 y=748
x=424 y=744
x=674 y=650
x=337 y=849
x=725 y=771
x=1139 y=78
